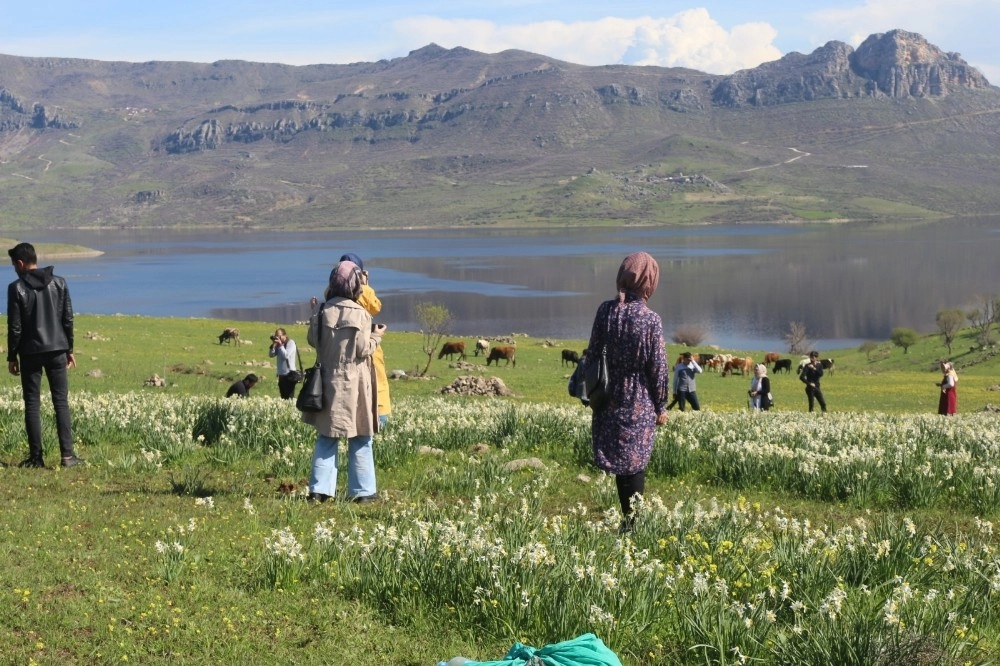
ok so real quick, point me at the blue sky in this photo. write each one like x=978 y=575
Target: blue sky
x=716 y=36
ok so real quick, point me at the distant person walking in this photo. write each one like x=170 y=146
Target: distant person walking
x=283 y=348
x=810 y=375
x=685 y=390
x=948 y=400
x=40 y=338
x=241 y=387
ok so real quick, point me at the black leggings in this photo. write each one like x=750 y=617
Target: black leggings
x=629 y=485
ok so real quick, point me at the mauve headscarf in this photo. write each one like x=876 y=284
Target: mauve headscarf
x=638 y=275
x=345 y=281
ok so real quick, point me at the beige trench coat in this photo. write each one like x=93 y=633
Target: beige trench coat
x=346 y=345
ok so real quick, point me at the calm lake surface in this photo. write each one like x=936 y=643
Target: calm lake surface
x=741 y=283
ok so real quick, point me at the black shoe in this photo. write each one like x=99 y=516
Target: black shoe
x=31 y=462
x=366 y=499
x=72 y=461
x=317 y=497
x=627 y=526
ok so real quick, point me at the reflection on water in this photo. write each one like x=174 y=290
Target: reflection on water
x=743 y=284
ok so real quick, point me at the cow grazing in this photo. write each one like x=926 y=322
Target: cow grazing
x=230 y=335
x=570 y=356
x=743 y=365
x=449 y=349
x=481 y=346
x=771 y=357
x=506 y=353
x=782 y=364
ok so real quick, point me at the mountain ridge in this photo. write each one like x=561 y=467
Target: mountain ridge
x=446 y=137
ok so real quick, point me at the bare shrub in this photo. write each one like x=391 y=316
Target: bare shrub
x=796 y=338
x=689 y=335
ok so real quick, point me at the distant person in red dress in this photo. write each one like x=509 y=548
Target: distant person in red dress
x=948 y=401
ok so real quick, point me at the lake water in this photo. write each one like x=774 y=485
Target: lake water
x=742 y=283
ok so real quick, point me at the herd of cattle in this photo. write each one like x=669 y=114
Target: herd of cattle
x=491 y=352
x=724 y=364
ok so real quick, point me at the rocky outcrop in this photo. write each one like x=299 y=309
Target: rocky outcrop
x=904 y=64
x=894 y=64
x=14 y=115
x=10 y=101
x=825 y=73
x=42 y=118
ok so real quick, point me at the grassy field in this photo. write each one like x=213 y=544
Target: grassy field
x=119 y=353
x=860 y=537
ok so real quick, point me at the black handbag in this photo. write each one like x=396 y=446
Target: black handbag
x=596 y=380
x=589 y=382
x=312 y=396
x=296 y=375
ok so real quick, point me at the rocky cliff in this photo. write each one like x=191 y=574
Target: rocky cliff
x=904 y=64
x=894 y=64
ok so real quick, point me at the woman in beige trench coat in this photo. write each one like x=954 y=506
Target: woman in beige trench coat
x=343 y=334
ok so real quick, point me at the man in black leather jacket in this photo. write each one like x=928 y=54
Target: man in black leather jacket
x=40 y=337
x=810 y=375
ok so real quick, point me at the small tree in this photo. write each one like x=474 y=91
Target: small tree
x=983 y=317
x=435 y=323
x=868 y=348
x=796 y=338
x=689 y=336
x=949 y=323
x=904 y=337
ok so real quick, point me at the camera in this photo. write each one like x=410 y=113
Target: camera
x=274 y=338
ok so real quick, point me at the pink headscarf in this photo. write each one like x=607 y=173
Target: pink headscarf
x=639 y=275
x=345 y=281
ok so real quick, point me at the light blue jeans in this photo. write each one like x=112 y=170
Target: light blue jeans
x=360 y=466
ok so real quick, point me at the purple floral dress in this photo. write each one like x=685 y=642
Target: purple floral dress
x=639 y=380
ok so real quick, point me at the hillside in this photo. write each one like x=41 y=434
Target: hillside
x=897 y=129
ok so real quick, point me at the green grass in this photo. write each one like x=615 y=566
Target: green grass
x=102 y=566
x=125 y=351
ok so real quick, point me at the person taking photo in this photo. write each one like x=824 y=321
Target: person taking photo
x=283 y=348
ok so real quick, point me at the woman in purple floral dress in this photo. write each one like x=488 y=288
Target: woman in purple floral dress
x=639 y=379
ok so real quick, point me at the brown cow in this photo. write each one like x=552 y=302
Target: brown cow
x=498 y=353
x=449 y=349
x=743 y=365
x=771 y=357
x=230 y=335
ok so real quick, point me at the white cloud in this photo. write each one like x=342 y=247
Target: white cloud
x=688 y=39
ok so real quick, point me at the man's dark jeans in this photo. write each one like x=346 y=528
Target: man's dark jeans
x=54 y=365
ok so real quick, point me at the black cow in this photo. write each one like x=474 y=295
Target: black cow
x=782 y=364
x=570 y=356
x=230 y=335
x=827 y=364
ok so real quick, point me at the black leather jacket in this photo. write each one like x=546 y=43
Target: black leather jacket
x=39 y=314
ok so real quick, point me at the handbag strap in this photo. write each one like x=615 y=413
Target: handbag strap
x=319 y=332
